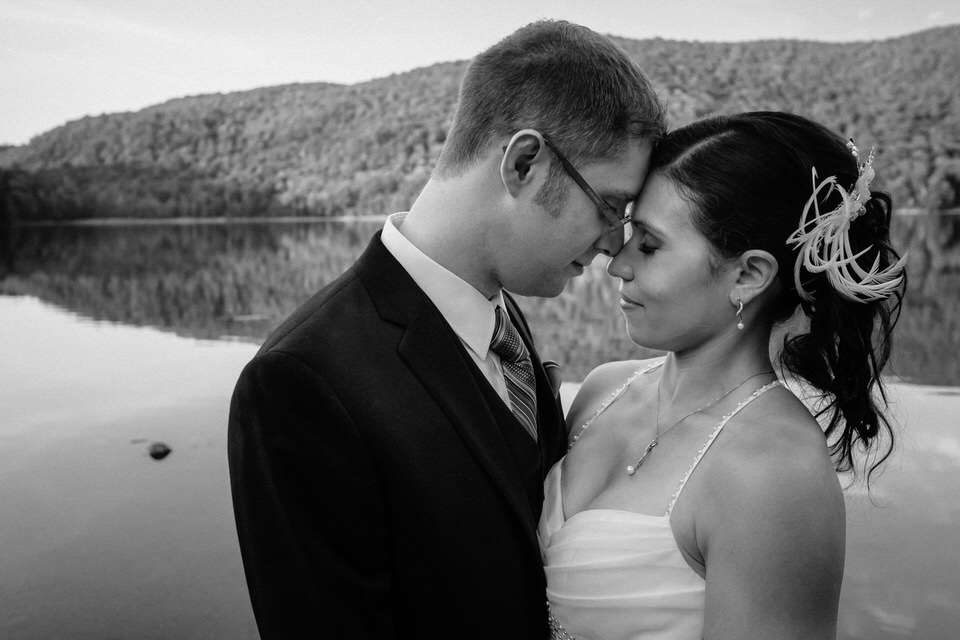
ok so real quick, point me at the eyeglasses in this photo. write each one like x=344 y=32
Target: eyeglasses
x=619 y=225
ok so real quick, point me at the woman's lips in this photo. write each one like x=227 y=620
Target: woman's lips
x=627 y=302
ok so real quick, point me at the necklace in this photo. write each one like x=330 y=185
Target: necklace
x=632 y=468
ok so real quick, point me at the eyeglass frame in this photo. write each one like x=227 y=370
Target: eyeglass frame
x=607 y=210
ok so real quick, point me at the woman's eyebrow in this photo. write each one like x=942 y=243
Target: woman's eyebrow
x=647 y=227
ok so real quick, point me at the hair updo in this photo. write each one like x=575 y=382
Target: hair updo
x=748 y=178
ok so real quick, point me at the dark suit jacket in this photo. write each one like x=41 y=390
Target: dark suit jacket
x=376 y=490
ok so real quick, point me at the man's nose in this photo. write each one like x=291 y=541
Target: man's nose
x=610 y=241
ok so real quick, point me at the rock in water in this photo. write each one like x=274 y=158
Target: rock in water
x=159 y=451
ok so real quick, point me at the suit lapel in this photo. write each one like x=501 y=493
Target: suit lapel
x=431 y=350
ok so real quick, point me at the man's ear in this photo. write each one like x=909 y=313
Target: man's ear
x=756 y=272
x=524 y=157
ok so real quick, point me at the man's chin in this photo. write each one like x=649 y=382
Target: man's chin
x=551 y=290
x=546 y=286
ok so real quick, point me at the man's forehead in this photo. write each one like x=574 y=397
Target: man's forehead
x=623 y=174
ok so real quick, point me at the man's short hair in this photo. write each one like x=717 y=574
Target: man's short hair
x=561 y=79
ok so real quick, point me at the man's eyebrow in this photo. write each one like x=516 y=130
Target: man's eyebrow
x=625 y=196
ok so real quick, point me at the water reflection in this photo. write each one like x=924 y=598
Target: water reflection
x=241 y=280
x=199 y=280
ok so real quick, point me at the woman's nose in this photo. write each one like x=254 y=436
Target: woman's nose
x=619 y=267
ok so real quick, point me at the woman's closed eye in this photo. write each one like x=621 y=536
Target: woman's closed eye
x=647 y=248
x=644 y=243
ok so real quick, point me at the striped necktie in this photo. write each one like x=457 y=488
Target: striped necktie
x=517 y=371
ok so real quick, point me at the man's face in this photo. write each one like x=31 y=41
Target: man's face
x=556 y=243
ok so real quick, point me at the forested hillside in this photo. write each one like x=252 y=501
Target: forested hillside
x=322 y=149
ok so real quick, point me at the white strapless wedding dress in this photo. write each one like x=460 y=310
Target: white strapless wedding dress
x=619 y=575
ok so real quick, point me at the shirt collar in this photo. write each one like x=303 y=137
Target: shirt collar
x=468 y=312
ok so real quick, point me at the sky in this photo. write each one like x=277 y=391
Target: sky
x=63 y=59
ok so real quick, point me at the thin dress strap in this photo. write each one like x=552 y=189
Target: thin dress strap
x=613 y=396
x=713 y=436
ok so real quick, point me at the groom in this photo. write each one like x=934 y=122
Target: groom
x=389 y=441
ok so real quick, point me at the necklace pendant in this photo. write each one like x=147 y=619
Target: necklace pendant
x=632 y=468
x=647 y=451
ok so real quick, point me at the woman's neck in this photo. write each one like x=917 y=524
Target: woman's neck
x=710 y=373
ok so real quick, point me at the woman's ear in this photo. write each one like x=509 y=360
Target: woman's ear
x=524 y=158
x=755 y=271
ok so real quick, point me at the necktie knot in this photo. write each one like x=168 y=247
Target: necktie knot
x=506 y=342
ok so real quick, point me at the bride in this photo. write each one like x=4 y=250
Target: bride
x=699 y=497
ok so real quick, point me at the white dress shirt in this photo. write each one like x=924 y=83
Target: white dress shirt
x=466 y=310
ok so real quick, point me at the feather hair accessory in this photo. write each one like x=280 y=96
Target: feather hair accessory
x=823 y=241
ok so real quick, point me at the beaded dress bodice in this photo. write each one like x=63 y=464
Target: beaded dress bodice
x=616 y=574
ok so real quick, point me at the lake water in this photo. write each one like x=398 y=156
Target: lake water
x=99 y=540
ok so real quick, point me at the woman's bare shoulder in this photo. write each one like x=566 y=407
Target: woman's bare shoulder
x=776 y=437
x=599 y=385
x=772 y=526
x=777 y=463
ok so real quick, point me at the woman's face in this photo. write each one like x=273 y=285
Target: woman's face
x=671 y=298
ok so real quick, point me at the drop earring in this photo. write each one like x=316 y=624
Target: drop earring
x=739 y=313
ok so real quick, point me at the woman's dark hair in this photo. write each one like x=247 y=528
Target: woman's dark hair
x=748 y=177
